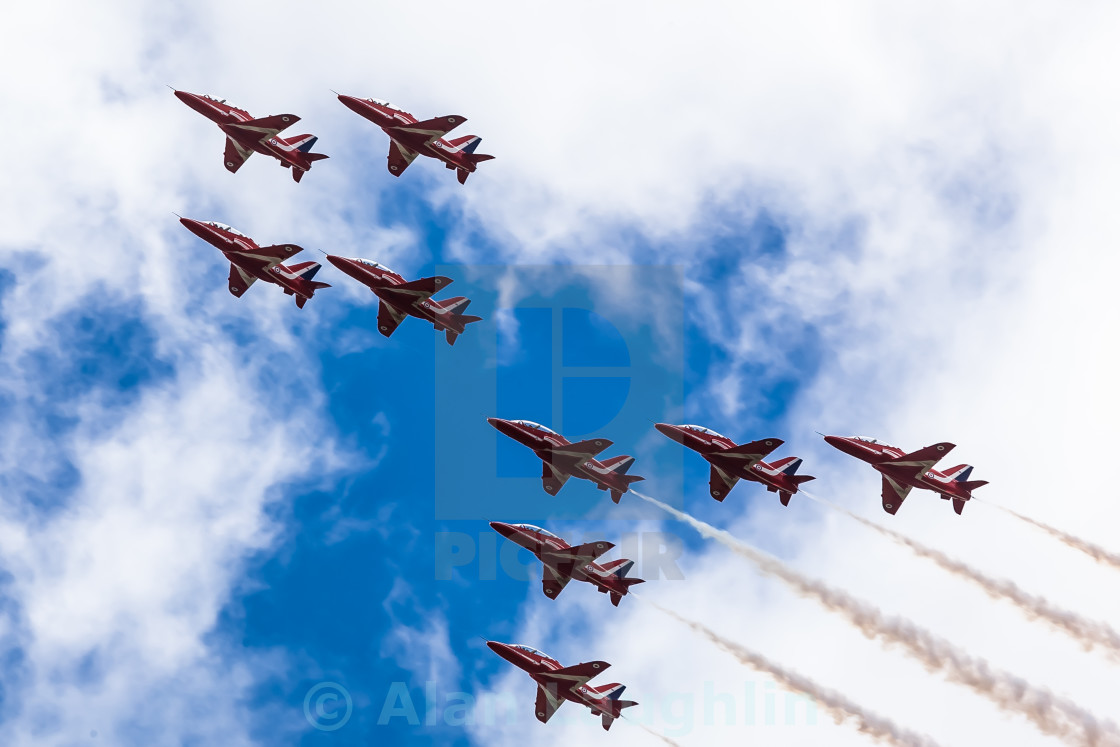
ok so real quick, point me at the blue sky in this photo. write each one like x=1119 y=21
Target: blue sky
x=217 y=515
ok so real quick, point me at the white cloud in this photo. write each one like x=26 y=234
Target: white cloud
x=945 y=175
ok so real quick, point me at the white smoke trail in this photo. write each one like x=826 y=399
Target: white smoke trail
x=837 y=706
x=1096 y=552
x=653 y=733
x=1053 y=715
x=1089 y=633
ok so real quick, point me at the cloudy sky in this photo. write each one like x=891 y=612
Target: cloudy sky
x=229 y=521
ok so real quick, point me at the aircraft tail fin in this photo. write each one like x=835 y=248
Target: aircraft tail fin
x=466 y=143
x=306 y=270
x=618 y=567
x=303 y=143
x=458 y=303
x=619 y=464
x=960 y=473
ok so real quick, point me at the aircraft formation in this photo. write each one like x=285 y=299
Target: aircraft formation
x=561 y=459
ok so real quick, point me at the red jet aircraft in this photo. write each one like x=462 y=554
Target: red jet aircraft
x=249 y=262
x=562 y=562
x=902 y=471
x=400 y=299
x=730 y=463
x=410 y=137
x=555 y=683
x=563 y=459
x=245 y=135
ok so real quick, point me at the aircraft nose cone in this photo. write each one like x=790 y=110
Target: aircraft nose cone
x=835 y=441
x=501 y=528
x=351 y=102
x=339 y=262
x=501 y=649
x=672 y=431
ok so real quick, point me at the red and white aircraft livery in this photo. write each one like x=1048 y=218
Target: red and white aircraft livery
x=902 y=471
x=245 y=135
x=249 y=262
x=555 y=683
x=562 y=562
x=563 y=459
x=410 y=137
x=730 y=462
x=400 y=299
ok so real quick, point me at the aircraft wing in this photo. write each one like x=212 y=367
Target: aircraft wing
x=576 y=675
x=266 y=127
x=547 y=703
x=894 y=493
x=434 y=128
x=399 y=158
x=239 y=280
x=388 y=318
x=422 y=288
x=578 y=555
x=554 y=583
x=917 y=462
x=235 y=155
x=751 y=452
x=553 y=479
x=590 y=448
x=720 y=483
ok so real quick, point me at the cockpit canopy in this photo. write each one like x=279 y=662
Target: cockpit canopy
x=866 y=439
x=382 y=102
x=216 y=99
x=531 y=650
x=535 y=426
x=224 y=227
x=532 y=528
x=702 y=429
x=374 y=265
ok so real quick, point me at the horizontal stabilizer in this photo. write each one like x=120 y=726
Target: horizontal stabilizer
x=798 y=479
x=970 y=485
x=784 y=496
x=958 y=506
